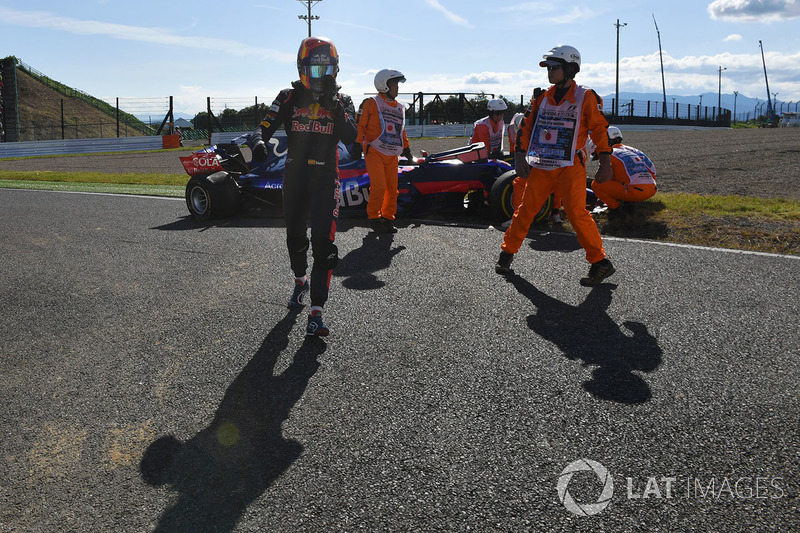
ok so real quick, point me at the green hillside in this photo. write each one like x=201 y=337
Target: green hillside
x=49 y=110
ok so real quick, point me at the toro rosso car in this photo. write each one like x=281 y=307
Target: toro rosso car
x=223 y=183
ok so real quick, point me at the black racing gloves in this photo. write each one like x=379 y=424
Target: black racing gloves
x=330 y=96
x=260 y=152
x=355 y=151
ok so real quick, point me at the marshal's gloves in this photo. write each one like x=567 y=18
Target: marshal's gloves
x=407 y=153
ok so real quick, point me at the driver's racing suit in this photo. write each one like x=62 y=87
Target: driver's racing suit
x=314 y=126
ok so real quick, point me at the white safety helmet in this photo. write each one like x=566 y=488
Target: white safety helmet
x=496 y=104
x=614 y=133
x=567 y=54
x=383 y=76
x=517 y=120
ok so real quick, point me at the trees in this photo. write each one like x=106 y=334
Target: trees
x=457 y=108
x=244 y=119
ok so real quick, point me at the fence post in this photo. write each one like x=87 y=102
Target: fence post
x=210 y=126
x=255 y=114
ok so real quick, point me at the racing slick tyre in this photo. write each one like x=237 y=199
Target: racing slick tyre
x=500 y=199
x=213 y=196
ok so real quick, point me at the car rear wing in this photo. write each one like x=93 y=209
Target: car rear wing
x=466 y=154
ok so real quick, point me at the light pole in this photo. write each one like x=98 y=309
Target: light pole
x=675 y=115
x=661 y=57
x=735 y=96
x=308 y=18
x=719 y=95
x=616 y=100
x=766 y=80
x=775 y=103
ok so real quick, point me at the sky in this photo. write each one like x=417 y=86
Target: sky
x=143 y=52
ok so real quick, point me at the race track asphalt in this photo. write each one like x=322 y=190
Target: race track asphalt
x=153 y=380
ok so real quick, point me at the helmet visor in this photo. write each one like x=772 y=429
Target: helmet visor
x=318 y=71
x=552 y=64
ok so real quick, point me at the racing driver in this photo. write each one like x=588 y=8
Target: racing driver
x=316 y=116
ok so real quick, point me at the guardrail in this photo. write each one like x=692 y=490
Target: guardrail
x=82 y=146
x=436 y=130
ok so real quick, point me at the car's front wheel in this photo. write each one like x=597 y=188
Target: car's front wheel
x=501 y=194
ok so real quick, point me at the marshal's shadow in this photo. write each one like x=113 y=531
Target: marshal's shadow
x=221 y=470
x=360 y=265
x=586 y=332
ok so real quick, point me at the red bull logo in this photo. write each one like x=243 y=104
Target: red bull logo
x=313 y=112
x=313 y=127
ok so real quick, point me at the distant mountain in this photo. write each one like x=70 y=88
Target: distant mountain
x=175 y=115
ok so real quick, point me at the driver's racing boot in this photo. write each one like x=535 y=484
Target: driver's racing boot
x=298 y=298
x=316 y=327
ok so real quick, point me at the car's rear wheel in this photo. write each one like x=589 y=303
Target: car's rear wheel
x=214 y=196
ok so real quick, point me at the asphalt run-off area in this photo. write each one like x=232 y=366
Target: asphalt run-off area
x=153 y=380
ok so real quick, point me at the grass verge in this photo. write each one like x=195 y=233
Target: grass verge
x=744 y=223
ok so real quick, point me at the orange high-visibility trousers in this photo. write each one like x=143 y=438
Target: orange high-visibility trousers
x=382 y=170
x=613 y=192
x=571 y=183
x=518 y=192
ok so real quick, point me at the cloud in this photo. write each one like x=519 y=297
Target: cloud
x=547 y=13
x=574 y=15
x=363 y=28
x=754 y=10
x=153 y=35
x=529 y=7
x=733 y=37
x=452 y=17
x=483 y=77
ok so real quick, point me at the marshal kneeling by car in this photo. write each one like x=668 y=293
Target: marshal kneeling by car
x=223 y=183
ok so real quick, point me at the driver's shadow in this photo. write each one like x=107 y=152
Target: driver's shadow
x=588 y=333
x=360 y=265
x=227 y=465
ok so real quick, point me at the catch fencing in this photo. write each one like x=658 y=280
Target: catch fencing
x=649 y=111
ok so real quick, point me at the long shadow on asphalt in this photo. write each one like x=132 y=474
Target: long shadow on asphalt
x=543 y=240
x=226 y=466
x=586 y=332
x=187 y=223
x=360 y=265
